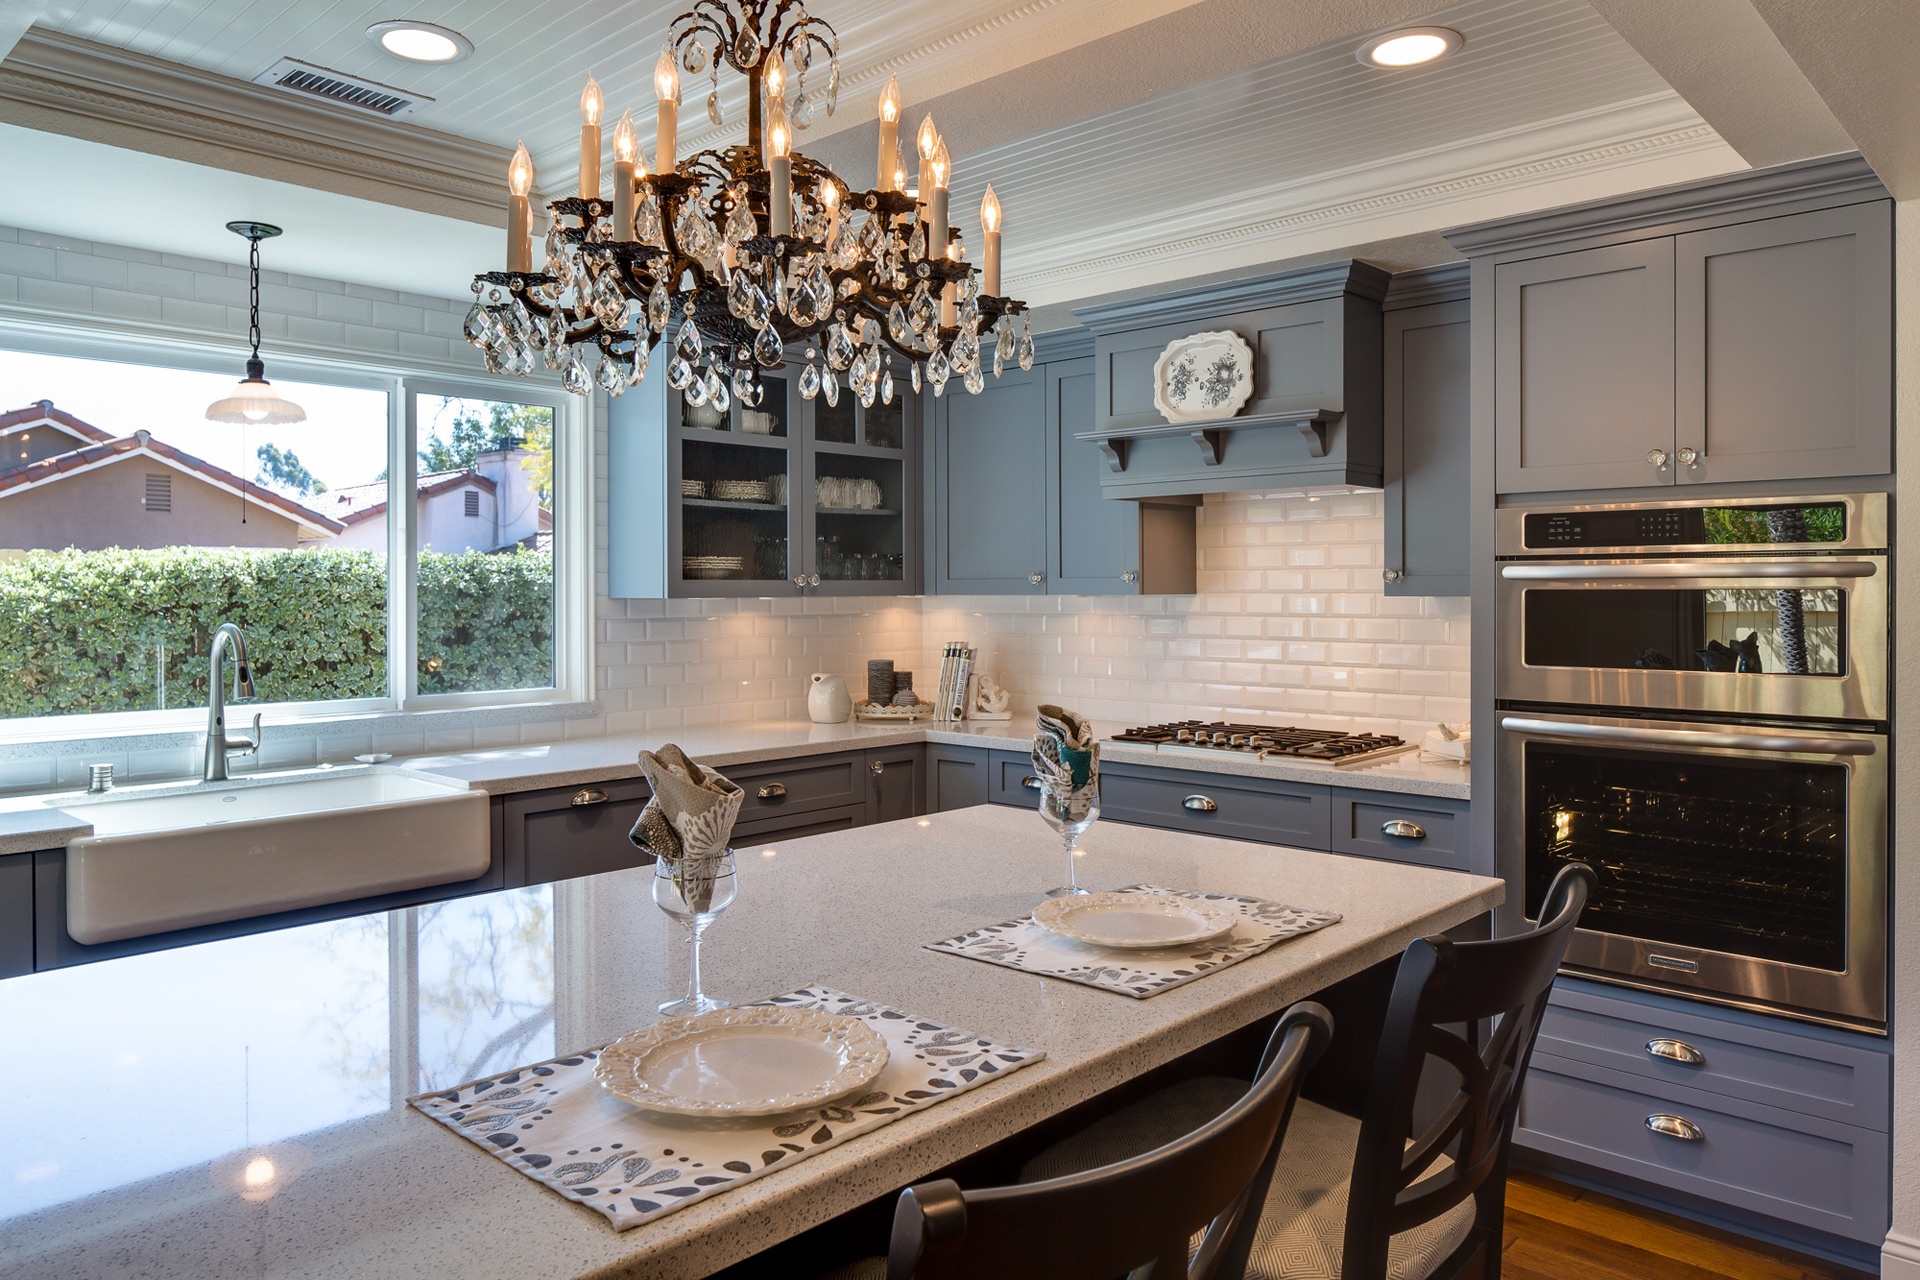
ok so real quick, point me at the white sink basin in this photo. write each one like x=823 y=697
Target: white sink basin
x=228 y=851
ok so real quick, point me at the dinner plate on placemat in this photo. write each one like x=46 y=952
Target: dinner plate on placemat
x=759 y=1060
x=1135 y=921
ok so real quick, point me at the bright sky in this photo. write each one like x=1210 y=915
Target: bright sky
x=342 y=442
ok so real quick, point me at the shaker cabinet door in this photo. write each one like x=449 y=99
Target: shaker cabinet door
x=1584 y=369
x=1093 y=542
x=1428 y=420
x=1785 y=338
x=987 y=488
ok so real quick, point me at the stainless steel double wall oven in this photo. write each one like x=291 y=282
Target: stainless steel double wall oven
x=1693 y=699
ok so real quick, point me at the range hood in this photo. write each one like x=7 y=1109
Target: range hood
x=1313 y=420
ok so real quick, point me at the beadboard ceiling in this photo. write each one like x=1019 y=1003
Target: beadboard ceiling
x=1211 y=156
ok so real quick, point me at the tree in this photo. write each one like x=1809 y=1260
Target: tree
x=504 y=426
x=283 y=470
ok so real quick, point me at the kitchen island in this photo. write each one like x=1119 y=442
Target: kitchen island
x=153 y=1081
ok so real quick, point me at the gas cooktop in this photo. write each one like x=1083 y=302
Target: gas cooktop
x=1267 y=742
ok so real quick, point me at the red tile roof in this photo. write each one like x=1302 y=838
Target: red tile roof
x=43 y=411
x=364 y=501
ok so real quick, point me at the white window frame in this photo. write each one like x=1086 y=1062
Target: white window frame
x=572 y=541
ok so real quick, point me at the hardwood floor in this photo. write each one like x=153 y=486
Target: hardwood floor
x=1560 y=1232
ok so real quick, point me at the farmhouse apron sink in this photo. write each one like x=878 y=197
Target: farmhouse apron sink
x=233 y=850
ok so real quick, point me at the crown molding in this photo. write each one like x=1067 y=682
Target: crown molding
x=1843 y=179
x=1445 y=282
x=61 y=84
x=1309 y=284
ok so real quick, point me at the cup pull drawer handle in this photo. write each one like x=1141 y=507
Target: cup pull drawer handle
x=1675 y=1127
x=1402 y=828
x=1030 y=782
x=589 y=795
x=1200 y=804
x=772 y=791
x=1676 y=1050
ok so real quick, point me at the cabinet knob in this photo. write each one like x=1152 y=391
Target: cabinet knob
x=1036 y=578
x=1131 y=575
x=800 y=580
x=1689 y=457
x=813 y=579
x=878 y=766
x=1675 y=1051
x=1675 y=1127
x=772 y=791
x=588 y=795
x=1393 y=575
x=1657 y=458
x=1200 y=804
x=1403 y=829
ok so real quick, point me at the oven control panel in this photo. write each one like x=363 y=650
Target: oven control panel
x=1729 y=528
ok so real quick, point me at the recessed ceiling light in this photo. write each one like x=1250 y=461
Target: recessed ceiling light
x=1409 y=47
x=420 y=41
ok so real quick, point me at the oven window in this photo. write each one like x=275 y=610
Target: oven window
x=1751 y=630
x=1747 y=856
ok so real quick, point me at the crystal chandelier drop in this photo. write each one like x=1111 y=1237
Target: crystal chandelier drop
x=749 y=250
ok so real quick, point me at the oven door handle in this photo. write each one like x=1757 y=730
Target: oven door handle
x=1811 y=567
x=1691 y=738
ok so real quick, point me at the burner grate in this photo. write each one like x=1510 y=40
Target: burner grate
x=1256 y=739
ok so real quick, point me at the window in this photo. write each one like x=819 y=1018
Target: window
x=131 y=528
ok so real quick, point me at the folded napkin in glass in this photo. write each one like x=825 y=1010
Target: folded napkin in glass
x=688 y=821
x=1022 y=944
x=1066 y=758
x=553 y=1122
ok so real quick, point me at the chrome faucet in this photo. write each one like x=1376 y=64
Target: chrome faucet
x=219 y=745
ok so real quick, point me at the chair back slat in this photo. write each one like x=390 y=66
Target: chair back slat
x=1138 y=1212
x=1402 y=1178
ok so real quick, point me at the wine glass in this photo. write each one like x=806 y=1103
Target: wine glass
x=694 y=891
x=1069 y=813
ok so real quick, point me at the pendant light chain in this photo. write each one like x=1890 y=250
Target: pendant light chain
x=253 y=294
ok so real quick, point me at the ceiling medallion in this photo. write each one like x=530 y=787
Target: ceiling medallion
x=751 y=249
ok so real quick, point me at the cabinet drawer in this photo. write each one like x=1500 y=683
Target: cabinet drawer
x=799 y=786
x=1798 y=1168
x=1009 y=773
x=567 y=832
x=1415 y=829
x=791 y=826
x=1805 y=1071
x=1216 y=804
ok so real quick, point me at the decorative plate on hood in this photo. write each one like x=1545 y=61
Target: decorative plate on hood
x=1203 y=377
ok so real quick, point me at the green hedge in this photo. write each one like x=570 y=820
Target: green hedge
x=90 y=631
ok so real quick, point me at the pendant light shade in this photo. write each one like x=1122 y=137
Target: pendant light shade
x=254 y=400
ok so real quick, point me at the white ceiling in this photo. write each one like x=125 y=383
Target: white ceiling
x=1195 y=162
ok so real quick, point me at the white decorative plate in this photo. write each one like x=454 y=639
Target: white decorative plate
x=757 y=1060
x=1203 y=377
x=1135 y=921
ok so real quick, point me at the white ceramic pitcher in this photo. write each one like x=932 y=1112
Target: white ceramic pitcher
x=828 y=701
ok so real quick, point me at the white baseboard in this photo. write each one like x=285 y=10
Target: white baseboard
x=1900 y=1257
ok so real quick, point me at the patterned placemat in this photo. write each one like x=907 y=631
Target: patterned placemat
x=554 y=1123
x=1022 y=944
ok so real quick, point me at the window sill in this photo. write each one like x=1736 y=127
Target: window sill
x=361 y=725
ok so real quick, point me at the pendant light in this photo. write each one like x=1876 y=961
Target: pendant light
x=254 y=400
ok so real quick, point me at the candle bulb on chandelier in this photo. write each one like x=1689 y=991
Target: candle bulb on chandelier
x=590 y=106
x=519 y=184
x=990 y=254
x=887 y=176
x=666 y=83
x=830 y=207
x=927 y=140
x=780 y=174
x=940 y=171
x=627 y=167
x=774 y=81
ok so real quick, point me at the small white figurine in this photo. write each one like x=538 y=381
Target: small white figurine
x=990 y=700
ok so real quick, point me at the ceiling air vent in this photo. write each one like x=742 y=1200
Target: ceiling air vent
x=293 y=76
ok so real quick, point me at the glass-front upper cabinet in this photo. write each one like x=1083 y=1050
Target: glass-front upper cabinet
x=787 y=497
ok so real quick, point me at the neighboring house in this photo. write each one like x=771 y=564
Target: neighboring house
x=492 y=506
x=66 y=483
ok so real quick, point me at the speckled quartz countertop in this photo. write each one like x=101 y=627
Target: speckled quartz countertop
x=28 y=823
x=149 y=1074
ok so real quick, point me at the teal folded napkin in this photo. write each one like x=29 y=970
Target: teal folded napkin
x=1065 y=753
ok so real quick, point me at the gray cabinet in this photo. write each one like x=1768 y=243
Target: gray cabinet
x=804 y=785
x=1584 y=368
x=1428 y=422
x=1785 y=340
x=956 y=777
x=1422 y=830
x=1269 y=811
x=1012 y=780
x=987 y=488
x=562 y=833
x=895 y=786
x=16 y=915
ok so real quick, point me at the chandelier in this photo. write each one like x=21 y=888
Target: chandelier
x=751 y=249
